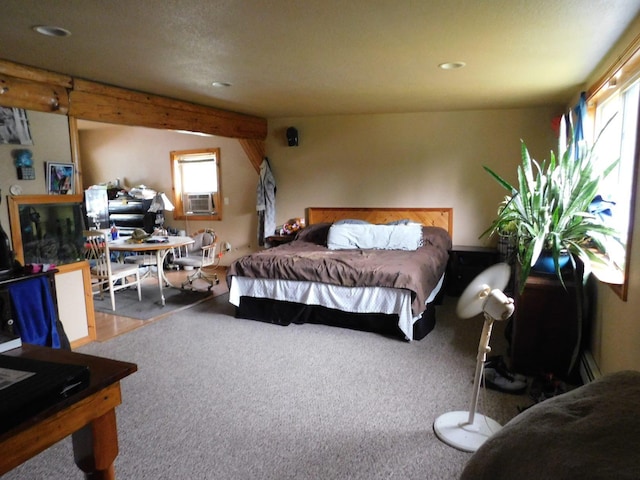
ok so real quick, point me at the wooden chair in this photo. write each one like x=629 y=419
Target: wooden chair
x=105 y=274
x=198 y=255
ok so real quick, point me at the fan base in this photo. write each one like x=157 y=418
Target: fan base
x=454 y=429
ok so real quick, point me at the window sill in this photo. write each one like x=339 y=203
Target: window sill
x=606 y=271
x=181 y=216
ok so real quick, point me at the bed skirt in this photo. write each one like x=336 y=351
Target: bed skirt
x=284 y=313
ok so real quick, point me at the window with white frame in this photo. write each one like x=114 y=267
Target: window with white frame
x=196 y=184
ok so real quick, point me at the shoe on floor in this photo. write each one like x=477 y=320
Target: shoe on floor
x=495 y=381
x=499 y=364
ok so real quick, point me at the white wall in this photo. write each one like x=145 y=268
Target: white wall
x=406 y=160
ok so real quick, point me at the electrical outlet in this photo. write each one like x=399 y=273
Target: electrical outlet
x=226 y=246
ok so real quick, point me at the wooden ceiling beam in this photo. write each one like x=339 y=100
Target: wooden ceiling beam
x=43 y=97
x=35 y=89
x=104 y=103
x=35 y=74
x=255 y=150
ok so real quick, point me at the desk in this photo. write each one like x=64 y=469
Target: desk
x=88 y=415
x=161 y=250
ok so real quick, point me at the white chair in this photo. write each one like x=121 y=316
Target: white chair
x=200 y=254
x=105 y=274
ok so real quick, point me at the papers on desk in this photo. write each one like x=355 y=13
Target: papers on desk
x=9 y=341
x=8 y=376
x=154 y=239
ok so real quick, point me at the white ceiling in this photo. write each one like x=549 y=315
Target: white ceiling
x=317 y=57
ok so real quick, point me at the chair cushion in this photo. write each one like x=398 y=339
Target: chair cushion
x=195 y=261
x=200 y=240
x=141 y=260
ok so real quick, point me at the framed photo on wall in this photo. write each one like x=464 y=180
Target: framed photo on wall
x=14 y=126
x=60 y=178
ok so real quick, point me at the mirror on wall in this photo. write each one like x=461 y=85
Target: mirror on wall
x=50 y=143
x=47 y=229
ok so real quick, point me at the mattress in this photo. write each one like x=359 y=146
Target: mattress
x=348 y=299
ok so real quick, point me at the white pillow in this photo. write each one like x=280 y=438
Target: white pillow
x=370 y=236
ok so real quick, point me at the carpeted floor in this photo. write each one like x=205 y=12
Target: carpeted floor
x=222 y=398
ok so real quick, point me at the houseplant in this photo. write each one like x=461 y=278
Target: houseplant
x=549 y=209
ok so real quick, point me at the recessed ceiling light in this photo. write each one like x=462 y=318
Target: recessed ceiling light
x=452 y=65
x=51 y=31
x=221 y=84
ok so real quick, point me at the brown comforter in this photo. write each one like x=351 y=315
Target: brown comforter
x=307 y=258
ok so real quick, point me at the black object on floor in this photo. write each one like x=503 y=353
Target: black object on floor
x=498 y=377
x=546 y=386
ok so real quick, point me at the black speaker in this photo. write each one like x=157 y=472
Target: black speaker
x=292 y=136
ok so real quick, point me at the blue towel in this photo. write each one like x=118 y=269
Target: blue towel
x=35 y=312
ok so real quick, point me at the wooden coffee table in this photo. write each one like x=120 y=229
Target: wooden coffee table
x=89 y=415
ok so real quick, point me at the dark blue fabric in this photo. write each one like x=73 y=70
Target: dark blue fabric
x=580 y=111
x=35 y=312
x=602 y=208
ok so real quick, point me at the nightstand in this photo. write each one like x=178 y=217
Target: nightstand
x=545 y=326
x=465 y=263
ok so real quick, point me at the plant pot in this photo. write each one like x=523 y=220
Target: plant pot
x=545 y=264
x=507 y=248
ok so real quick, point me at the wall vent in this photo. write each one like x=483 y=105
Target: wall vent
x=589 y=370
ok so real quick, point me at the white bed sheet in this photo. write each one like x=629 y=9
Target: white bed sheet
x=349 y=299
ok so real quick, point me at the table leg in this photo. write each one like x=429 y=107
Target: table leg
x=95 y=447
x=160 y=267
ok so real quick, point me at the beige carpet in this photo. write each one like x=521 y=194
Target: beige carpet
x=216 y=397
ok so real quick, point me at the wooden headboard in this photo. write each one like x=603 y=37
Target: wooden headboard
x=437 y=217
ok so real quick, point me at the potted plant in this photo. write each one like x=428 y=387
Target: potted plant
x=549 y=210
x=507 y=236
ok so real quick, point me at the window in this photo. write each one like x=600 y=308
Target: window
x=618 y=100
x=196 y=184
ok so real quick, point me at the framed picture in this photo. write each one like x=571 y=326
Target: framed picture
x=14 y=126
x=60 y=178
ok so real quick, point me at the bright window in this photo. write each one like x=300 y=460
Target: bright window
x=196 y=184
x=617 y=102
x=618 y=140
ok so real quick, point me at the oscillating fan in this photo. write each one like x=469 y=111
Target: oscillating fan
x=464 y=430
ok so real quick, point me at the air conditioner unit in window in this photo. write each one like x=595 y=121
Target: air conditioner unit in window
x=198 y=204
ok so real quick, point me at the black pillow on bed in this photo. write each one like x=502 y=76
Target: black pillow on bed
x=436 y=236
x=316 y=233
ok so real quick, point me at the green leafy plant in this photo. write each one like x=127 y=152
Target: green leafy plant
x=549 y=208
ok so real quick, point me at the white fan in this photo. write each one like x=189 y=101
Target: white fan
x=464 y=430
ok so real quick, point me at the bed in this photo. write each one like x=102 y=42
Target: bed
x=390 y=290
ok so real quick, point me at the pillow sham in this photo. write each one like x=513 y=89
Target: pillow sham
x=370 y=236
x=404 y=221
x=351 y=221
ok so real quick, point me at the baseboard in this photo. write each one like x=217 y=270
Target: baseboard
x=589 y=370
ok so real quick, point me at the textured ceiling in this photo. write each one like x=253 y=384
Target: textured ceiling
x=316 y=57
